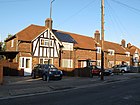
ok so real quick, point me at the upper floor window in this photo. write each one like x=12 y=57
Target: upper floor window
x=111 y=52
x=98 y=49
x=12 y=43
x=127 y=54
x=46 y=42
x=67 y=46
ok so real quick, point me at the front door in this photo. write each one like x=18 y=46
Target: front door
x=26 y=65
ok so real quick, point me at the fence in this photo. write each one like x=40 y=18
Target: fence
x=1 y=74
x=135 y=69
x=80 y=72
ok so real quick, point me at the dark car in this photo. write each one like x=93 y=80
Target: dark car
x=96 y=70
x=44 y=70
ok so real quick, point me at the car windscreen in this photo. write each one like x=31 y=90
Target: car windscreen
x=51 y=67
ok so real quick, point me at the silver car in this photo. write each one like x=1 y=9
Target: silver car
x=121 y=68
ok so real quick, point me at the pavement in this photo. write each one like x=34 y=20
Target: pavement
x=14 y=86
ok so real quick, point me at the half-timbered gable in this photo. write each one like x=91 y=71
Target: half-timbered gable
x=46 y=45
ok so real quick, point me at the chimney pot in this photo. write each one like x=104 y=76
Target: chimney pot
x=128 y=45
x=97 y=36
x=123 y=43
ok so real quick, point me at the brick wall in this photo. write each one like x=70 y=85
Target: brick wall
x=25 y=47
x=9 y=47
x=10 y=68
x=80 y=54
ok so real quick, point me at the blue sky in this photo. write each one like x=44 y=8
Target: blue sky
x=77 y=16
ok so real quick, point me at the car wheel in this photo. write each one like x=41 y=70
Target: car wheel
x=60 y=78
x=33 y=75
x=122 y=71
x=44 y=77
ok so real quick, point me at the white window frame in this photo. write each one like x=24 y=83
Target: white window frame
x=12 y=43
x=67 y=46
x=98 y=62
x=98 y=50
x=23 y=62
x=111 y=52
x=83 y=64
x=44 y=60
x=127 y=54
x=69 y=63
x=46 y=42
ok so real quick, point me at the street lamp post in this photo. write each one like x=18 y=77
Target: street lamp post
x=102 y=39
x=51 y=1
x=49 y=37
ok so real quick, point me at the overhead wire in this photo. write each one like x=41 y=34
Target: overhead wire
x=116 y=19
x=77 y=12
x=137 y=11
x=125 y=5
x=110 y=15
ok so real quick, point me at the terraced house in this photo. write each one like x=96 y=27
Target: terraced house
x=67 y=51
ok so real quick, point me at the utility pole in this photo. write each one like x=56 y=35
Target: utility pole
x=102 y=39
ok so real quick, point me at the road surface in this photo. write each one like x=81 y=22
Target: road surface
x=112 y=93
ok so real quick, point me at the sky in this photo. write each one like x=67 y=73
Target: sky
x=122 y=17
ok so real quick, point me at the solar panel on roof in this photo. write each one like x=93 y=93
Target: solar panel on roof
x=64 y=37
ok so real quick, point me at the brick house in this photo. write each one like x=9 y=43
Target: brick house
x=114 y=53
x=40 y=44
x=135 y=54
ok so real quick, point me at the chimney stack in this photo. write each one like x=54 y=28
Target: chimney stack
x=128 y=45
x=97 y=36
x=123 y=43
x=48 y=23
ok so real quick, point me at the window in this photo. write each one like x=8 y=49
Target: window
x=98 y=62
x=67 y=46
x=111 y=52
x=45 y=61
x=45 y=42
x=127 y=54
x=12 y=43
x=25 y=62
x=83 y=64
x=98 y=50
x=136 y=59
x=67 y=63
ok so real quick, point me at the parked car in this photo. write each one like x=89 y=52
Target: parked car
x=43 y=70
x=96 y=70
x=121 y=68
x=108 y=72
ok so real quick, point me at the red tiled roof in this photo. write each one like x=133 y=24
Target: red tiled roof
x=114 y=46
x=84 y=42
x=31 y=32
x=132 y=49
